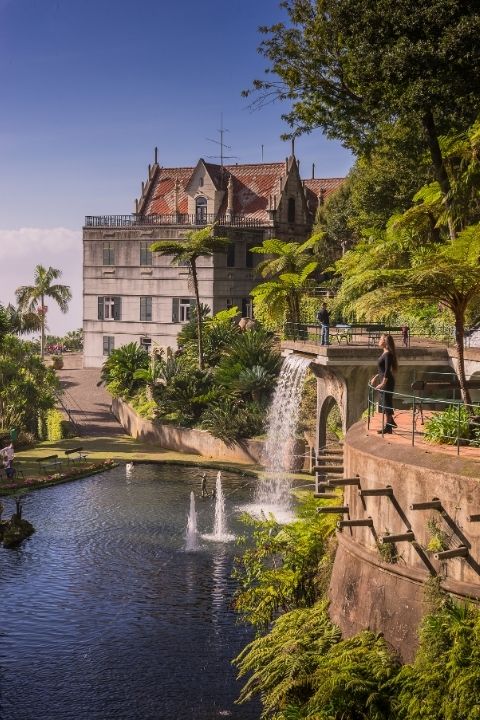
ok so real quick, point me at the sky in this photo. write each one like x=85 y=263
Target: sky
x=90 y=87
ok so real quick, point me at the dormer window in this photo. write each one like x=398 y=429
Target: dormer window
x=201 y=211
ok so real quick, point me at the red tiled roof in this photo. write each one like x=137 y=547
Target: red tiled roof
x=314 y=186
x=252 y=187
x=162 y=198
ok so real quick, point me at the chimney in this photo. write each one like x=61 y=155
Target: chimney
x=156 y=155
x=230 y=198
x=313 y=171
x=177 y=193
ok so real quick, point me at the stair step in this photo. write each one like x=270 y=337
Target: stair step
x=329 y=469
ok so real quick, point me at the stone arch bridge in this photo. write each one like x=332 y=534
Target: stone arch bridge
x=343 y=372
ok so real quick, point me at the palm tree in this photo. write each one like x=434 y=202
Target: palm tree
x=284 y=256
x=31 y=298
x=288 y=269
x=197 y=243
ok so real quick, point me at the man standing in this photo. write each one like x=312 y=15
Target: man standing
x=323 y=317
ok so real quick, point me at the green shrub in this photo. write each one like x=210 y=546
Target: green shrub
x=231 y=419
x=438 y=537
x=443 y=683
x=57 y=362
x=55 y=425
x=42 y=425
x=286 y=565
x=304 y=669
x=444 y=427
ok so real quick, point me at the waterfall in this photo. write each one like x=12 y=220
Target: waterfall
x=274 y=490
x=191 y=538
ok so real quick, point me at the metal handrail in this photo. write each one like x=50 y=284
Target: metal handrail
x=417 y=402
x=199 y=220
x=357 y=333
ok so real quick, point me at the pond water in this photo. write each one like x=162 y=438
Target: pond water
x=104 y=616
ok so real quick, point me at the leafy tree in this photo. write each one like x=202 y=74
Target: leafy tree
x=284 y=256
x=12 y=320
x=413 y=264
x=288 y=270
x=120 y=368
x=27 y=387
x=31 y=298
x=218 y=332
x=383 y=182
x=153 y=374
x=197 y=243
x=351 y=68
x=73 y=340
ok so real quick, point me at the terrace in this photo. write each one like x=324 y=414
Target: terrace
x=183 y=219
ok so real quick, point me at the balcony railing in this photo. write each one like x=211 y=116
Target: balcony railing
x=199 y=220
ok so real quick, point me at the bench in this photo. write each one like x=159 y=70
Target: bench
x=341 y=333
x=79 y=451
x=49 y=461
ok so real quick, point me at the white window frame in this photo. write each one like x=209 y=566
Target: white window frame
x=184 y=310
x=109 y=308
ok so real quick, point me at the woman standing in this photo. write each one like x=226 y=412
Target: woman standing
x=387 y=366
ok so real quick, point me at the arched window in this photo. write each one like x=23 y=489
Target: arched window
x=201 y=211
x=291 y=210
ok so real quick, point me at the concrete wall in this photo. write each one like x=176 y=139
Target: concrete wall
x=197 y=442
x=369 y=593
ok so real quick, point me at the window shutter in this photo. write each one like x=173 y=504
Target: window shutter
x=106 y=345
x=175 y=309
x=149 y=308
x=117 y=308
x=231 y=255
x=100 y=308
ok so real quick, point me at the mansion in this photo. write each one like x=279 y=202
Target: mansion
x=131 y=294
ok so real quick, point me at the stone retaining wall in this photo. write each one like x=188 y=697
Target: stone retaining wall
x=197 y=442
x=366 y=591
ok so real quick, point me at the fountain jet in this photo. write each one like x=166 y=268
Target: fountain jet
x=191 y=537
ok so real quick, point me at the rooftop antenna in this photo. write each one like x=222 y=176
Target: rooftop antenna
x=223 y=145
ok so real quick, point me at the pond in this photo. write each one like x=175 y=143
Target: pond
x=104 y=615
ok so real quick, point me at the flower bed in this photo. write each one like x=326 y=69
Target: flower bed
x=75 y=473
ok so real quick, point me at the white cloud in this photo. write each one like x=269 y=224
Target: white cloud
x=24 y=248
x=26 y=241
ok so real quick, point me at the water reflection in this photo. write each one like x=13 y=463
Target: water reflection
x=104 y=616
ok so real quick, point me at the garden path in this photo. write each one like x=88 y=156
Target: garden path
x=88 y=403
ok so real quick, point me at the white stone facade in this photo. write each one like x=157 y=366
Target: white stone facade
x=132 y=295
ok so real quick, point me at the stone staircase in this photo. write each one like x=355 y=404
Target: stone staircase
x=328 y=468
